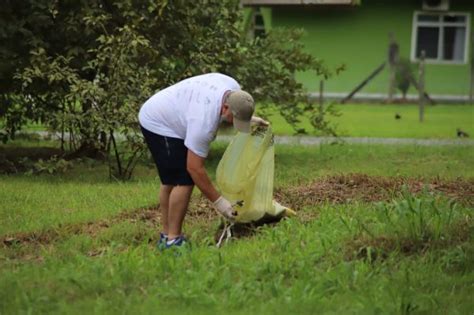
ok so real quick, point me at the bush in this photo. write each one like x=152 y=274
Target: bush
x=404 y=75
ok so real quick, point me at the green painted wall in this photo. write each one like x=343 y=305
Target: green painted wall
x=358 y=37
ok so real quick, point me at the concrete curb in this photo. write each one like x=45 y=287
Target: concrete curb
x=315 y=141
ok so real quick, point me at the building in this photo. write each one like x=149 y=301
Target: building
x=356 y=33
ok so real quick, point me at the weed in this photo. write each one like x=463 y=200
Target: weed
x=427 y=217
x=412 y=224
x=50 y=166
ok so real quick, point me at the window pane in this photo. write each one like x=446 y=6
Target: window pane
x=454 y=43
x=428 y=18
x=454 y=18
x=427 y=40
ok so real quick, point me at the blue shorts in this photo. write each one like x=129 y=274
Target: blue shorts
x=170 y=156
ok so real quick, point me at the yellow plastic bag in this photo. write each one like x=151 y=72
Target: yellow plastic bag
x=245 y=172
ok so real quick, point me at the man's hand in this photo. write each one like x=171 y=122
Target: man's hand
x=259 y=121
x=225 y=208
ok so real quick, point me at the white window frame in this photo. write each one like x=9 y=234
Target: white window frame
x=441 y=24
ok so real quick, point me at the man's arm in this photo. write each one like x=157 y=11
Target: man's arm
x=195 y=167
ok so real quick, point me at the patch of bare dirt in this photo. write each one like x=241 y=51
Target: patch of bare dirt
x=148 y=215
x=351 y=187
x=21 y=159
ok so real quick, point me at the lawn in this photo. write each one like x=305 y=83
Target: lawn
x=380 y=229
x=378 y=120
x=374 y=120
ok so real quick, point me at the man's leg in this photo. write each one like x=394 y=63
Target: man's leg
x=165 y=191
x=178 y=205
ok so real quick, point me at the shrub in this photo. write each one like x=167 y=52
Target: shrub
x=404 y=75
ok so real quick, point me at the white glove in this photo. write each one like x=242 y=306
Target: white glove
x=225 y=208
x=259 y=121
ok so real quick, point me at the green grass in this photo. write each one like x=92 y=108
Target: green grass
x=376 y=120
x=293 y=267
x=362 y=120
x=271 y=273
x=86 y=193
x=318 y=262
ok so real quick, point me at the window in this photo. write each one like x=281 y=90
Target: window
x=443 y=36
x=258 y=24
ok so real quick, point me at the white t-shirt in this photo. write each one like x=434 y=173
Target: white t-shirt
x=189 y=110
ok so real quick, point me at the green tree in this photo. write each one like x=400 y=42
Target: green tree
x=91 y=64
x=404 y=75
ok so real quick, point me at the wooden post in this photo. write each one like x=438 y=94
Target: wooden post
x=391 y=83
x=62 y=127
x=471 y=92
x=421 y=86
x=321 y=91
x=363 y=83
x=392 y=56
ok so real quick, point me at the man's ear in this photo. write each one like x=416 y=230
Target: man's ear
x=225 y=108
